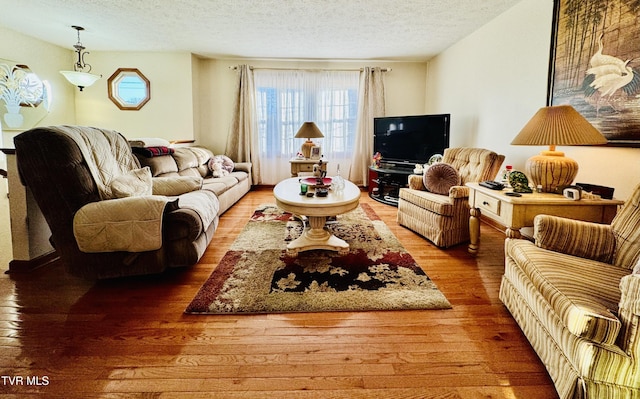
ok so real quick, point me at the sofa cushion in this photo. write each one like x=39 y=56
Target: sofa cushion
x=163 y=165
x=436 y=203
x=135 y=183
x=193 y=157
x=240 y=176
x=219 y=184
x=191 y=172
x=216 y=187
x=582 y=292
x=177 y=185
x=440 y=177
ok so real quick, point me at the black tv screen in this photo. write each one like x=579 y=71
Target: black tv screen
x=408 y=140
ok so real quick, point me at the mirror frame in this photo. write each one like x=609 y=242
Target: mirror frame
x=112 y=86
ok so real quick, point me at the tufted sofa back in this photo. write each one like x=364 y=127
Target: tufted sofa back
x=473 y=164
x=185 y=161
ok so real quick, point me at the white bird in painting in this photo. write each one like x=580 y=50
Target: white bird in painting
x=608 y=74
x=599 y=59
x=609 y=78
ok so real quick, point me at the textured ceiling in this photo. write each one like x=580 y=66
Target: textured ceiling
x=291 y=29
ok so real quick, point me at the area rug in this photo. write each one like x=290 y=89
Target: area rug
x=257 y=276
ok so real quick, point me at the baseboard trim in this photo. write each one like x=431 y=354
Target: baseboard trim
x=26 y=266
x=490 y=222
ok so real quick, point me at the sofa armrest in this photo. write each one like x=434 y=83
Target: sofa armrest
x=242 y=167
x=574 y=237
x=457 y=192
x=132 y=224
x=416 y=182
x=629 y=315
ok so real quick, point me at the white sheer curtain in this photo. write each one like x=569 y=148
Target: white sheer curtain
x=371 y=104
x=287 y=98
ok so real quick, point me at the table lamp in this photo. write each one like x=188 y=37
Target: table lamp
x=556 y=125
x=308 y=131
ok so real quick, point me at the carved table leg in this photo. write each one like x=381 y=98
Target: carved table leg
x=474 y=230
x=316 y=237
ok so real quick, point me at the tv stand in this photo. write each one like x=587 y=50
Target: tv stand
x=386 y=181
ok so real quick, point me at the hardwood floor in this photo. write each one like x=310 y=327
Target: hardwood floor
x=64 y=337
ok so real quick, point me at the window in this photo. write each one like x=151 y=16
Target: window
x=285 y=99
x=129 y=89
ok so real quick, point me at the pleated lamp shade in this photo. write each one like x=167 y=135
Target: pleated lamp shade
x=556 y=125
x=308 y=131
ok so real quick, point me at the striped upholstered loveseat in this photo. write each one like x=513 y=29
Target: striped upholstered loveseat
x=576 y=295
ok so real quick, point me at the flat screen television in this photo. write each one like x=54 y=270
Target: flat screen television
x=410 y=140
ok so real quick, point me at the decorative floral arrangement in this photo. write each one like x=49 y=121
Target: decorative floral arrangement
x=377 y=158
x=17 y=87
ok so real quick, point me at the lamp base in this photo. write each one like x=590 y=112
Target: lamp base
x=551 y=169
x=306 y=148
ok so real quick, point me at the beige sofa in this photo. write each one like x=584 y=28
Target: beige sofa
x=575 y=293
x=192 y=161
x=108 y=216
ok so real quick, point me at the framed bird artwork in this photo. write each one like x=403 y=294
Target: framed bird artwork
x=595 y=65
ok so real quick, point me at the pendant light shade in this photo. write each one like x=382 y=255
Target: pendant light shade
x=80 y=76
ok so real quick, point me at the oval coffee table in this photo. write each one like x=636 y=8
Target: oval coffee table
x=316 y=209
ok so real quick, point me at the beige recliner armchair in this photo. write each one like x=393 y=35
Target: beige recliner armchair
x=444 y=218
x=575 y=293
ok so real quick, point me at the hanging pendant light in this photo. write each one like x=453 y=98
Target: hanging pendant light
x=80 y=75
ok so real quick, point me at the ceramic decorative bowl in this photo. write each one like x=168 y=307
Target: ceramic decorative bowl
x=316 y=181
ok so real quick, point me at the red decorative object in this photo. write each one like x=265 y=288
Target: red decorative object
x=314 y=181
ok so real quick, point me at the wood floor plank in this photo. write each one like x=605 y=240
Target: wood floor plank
x=129 y=337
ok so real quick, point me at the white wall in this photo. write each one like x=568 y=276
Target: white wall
x=168 y=114
x=493 y=81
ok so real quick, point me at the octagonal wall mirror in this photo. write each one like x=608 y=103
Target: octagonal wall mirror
x=129 y=89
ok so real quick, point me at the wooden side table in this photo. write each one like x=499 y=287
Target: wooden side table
x=305 y=165
x=518 y=212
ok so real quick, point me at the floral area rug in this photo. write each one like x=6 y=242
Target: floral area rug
x=257 y=276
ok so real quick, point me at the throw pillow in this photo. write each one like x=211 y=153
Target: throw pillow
x=216 y=168
x=152 y=151
x=440 y=177
x=135 y=183
x=220 y=165
x=227 y=163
